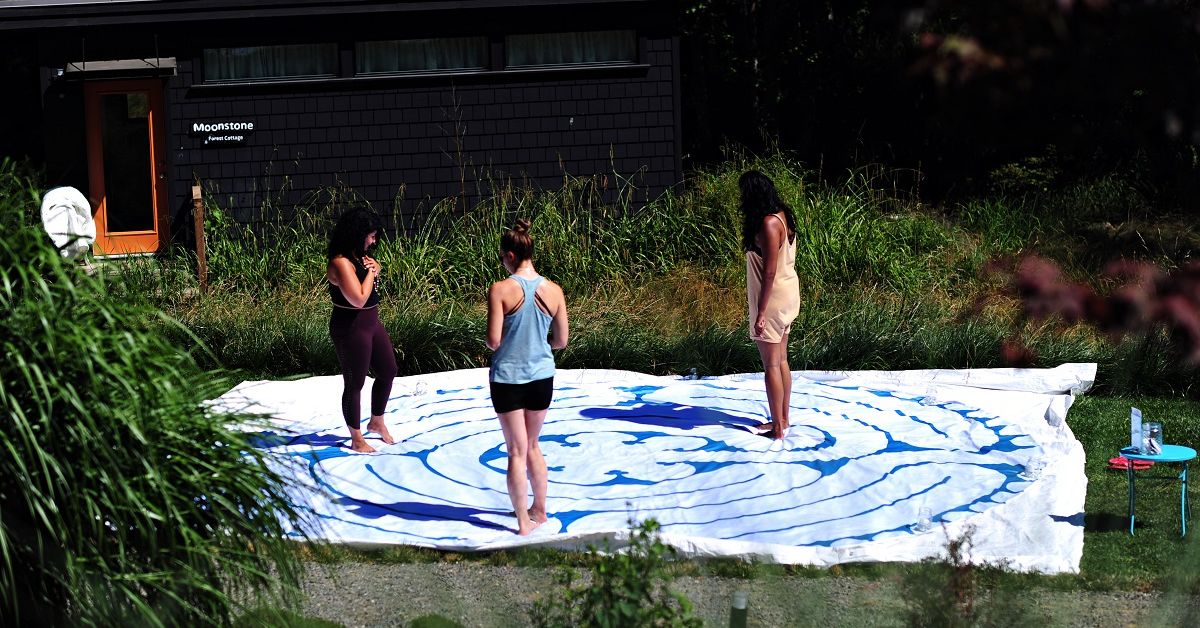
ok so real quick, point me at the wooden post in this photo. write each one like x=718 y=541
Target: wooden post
x=198 y=215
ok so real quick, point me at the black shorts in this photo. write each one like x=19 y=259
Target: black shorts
x=535 y=395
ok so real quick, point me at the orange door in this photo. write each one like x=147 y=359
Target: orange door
x=126 y=166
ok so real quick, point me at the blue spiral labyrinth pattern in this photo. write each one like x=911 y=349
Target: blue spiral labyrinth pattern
x=856 y=467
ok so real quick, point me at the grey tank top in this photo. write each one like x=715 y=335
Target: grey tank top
x=524 y=354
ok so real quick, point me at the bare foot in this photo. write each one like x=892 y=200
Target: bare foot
x=523 y=529
x=766 y=430
x=361 y=446
x=772 y=430
x=380 y=427
x=537 y=516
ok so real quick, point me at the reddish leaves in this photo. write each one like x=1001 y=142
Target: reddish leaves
x=1145 y=299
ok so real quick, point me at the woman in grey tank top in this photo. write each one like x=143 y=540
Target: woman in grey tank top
x=527 y=319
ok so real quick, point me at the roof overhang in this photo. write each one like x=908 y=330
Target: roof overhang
x=41 y=14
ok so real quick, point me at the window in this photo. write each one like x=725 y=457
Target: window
x=421 y=55
x=434 y=55
x=571 y=48
x=270 y=62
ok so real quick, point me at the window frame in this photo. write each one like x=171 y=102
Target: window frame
x=636 y=56
x=485 y=66
x=337 y=58
x=347 y=66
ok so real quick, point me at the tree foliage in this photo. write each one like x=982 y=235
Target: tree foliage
x=1144 y=301
x=954 y=87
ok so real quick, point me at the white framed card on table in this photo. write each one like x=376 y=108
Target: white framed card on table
x=1135 y=430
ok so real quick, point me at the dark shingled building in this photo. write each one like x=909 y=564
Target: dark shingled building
x=274 y=102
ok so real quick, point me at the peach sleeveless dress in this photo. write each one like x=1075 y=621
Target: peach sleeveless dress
x=783 y=305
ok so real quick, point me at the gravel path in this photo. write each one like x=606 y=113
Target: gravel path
x=361 y=594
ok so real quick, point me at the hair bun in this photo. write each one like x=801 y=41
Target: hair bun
x=522 y=225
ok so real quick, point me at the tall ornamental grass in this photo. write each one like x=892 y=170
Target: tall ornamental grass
x=850 y=234
x=886 y=280
x=581 y=240
x=124 y=500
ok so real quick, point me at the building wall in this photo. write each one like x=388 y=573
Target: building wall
x=401 y=143
x=403 y=147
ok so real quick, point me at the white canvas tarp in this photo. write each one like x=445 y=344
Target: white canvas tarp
x=866 y=451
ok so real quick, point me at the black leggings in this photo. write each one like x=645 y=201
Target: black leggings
x=361 y=342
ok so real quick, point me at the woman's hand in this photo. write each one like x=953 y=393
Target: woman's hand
x=760 y=325
x=371 y=264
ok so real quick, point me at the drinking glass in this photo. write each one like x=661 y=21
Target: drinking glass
x=1154 y=439
x=924 y=519
x=1032 y=470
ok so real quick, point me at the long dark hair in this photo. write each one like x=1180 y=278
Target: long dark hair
x=517 y=241
x=759 y=200
x=351 y=231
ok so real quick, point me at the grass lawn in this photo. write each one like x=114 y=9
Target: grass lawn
x=1111 y=557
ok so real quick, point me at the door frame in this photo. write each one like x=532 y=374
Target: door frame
x=127 y=242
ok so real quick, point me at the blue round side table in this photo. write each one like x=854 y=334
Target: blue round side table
x=1170 y=453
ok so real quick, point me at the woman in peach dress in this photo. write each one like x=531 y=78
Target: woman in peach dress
x=772 y=287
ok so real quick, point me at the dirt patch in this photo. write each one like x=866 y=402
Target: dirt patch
x=361 y=594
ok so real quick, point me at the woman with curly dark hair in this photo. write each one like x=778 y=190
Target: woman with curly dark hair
x=358 y=337
x=772 y=287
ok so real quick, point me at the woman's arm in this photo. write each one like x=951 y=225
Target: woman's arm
x=341 y=274
x=772 y=234
x=560 y=327
x=495 y=316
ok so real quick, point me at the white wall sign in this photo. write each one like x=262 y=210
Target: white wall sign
x=222 y=132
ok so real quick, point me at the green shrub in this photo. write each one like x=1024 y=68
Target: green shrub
x=126 y=500
x=279 y=618
x=1005 y=225
x=1031 y=175
x=1107 y=198
x=954 y=593
x=433 y=621
x=627 y=589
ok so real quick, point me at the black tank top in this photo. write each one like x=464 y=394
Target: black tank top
x=339 y=299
